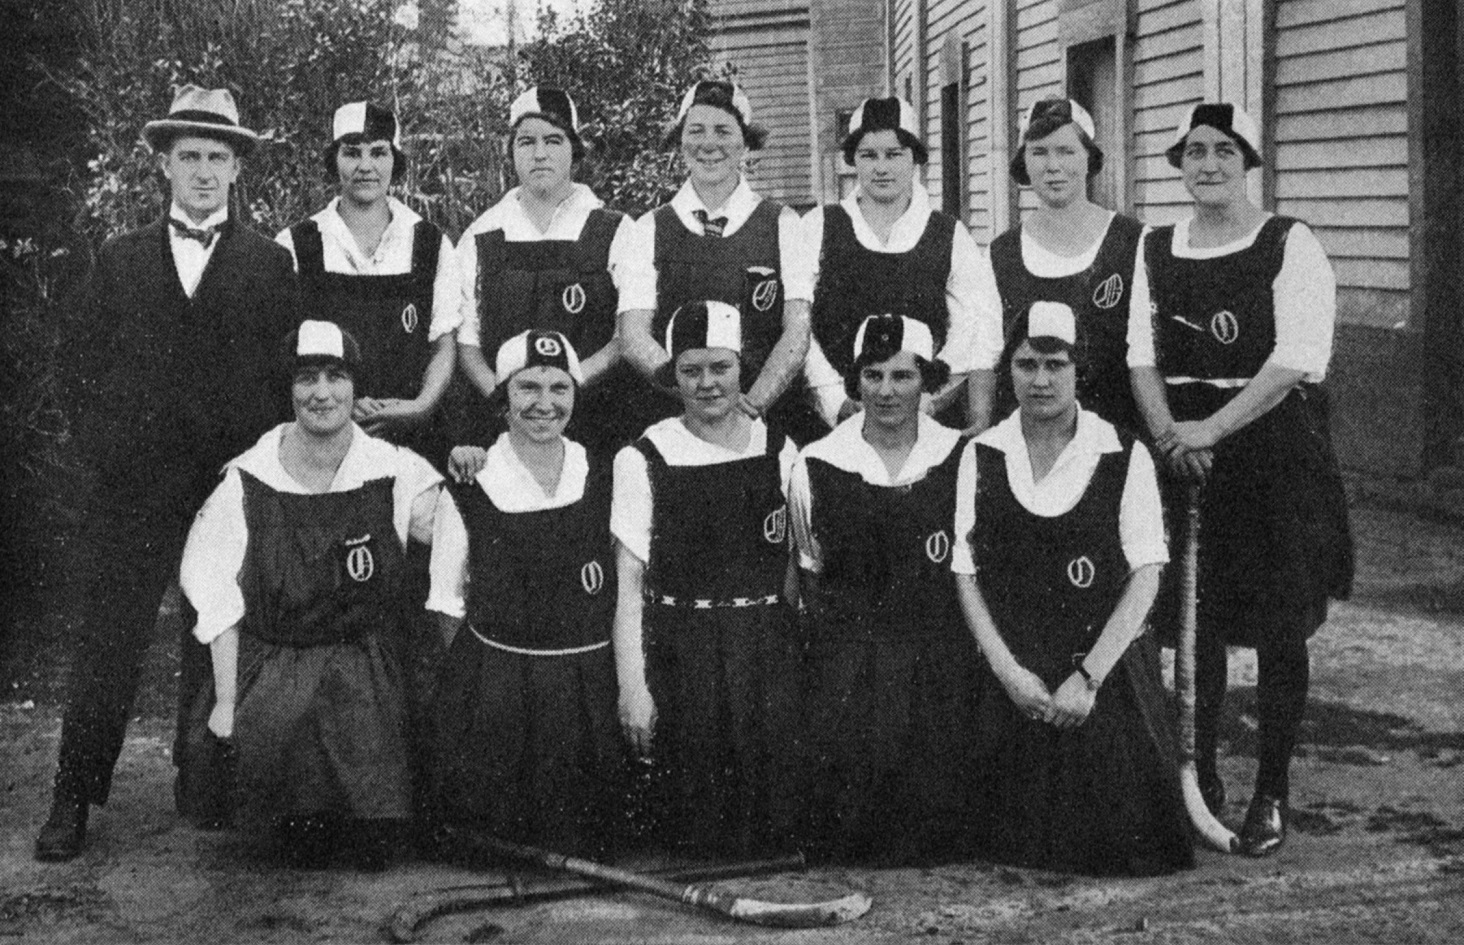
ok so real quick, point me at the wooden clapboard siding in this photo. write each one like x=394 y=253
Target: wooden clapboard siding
x=847 y=40
x=978 y=124
x=1168 y=78
x=767 y=42
x=1039 y=69
x=1340 y=140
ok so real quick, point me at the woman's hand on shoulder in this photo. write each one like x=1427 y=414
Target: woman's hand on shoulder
x=465 y=462
x=1028 y=693
x=638 y=719
x=1072 y=703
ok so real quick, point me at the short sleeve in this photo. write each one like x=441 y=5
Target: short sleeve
x=969 y=312
x=800 y=517
x=797 y=260
x=414 y=478
x=986 y=304
x=449 y=562
x=213 y=557
x=962 y=559
x=466 y=257
x=447 y=309
x=787 y=456
x=630 y=503
x=637 y=278
x=1305 y=293
x=622 y=247
x=1140 y=514
x=1141 y=311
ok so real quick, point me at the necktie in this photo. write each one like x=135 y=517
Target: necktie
x=204 y=235
x=712 y=226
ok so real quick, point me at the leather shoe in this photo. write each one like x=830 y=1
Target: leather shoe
x=64 y=832
x=1264 y=829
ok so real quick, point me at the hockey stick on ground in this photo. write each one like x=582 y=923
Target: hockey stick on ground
x=782 y=915
x=407 y=921
x=1211 y=830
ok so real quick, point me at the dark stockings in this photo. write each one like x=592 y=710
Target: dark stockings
x=1283 y=675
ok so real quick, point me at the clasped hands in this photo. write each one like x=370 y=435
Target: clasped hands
x=1188 y=448
x=1067 y=708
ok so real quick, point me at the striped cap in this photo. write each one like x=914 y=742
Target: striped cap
x=534 y=348
x=884 y=336
x=371 y=122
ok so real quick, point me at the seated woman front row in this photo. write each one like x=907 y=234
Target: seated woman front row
x=839 y=691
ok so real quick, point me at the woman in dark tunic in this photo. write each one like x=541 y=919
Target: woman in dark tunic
x=1068 y=250
x=1060 y=543
x=890 y=718
x=704 y=649
x=1228 y=372
x=527 y=743
x=294 y=566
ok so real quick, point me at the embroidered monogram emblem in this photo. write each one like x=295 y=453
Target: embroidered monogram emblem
x=764 y=294
x=409 y=318
x=1109 y=292
x=360 y=564
x=1081 y=571
x=548 y=347
x=592 y=577
x=1225 y=327
x=938 y=546
x=573 y=298
x=775 y=526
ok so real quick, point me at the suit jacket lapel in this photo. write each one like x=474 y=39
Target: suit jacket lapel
x=222 y=257
x=172 y=283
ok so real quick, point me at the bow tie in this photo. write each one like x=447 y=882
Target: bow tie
x=712 y=226
x=204 y=235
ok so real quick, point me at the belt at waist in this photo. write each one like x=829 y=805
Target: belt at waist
x=525 y=651
x=705 y=603
x=1226 y=382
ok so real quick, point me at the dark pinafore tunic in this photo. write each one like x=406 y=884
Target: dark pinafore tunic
x=1103 y=797
x=743 y=269
x=894 y=673
x=1275 y=540
x=1099 y=297
x=319 y=719
x=389 y=316
x=563 y=286
x=720 y=653
x=526 y=728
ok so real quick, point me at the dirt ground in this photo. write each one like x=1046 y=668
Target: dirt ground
x=1377 y=853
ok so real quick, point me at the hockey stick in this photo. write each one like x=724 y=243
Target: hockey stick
x=1211 y=830
x=782 y=915
x=406 y=923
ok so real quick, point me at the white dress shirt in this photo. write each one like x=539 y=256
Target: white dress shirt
x=512 y=489
x=219 y=537
x=508 y=215
x=1140 y=515
x=846 y=448
x=631 y=506
x=190 y=257
x=797 y=260
x=392 y=257
x=1305 y=294
x=972 y=322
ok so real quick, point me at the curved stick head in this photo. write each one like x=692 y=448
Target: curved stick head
x=1210 y=829
x=808 y=915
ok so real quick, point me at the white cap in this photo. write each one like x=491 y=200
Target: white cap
x=707 y=92
x=704 y=325
x=317 y=339
x=1225 y=116
x=890 y=334
x=537 y=349
x=553 y=103
x=372 y=122
x=1079 y=115
x=876 y=114
x=1052 y=320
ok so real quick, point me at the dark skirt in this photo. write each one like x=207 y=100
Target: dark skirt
x=1275 y=543
x=1103 y=798
x=529 y=747
x=890 y=740
x=318 y=730
x=724 y=681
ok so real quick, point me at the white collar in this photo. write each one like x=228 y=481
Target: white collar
x=401 y=217
x=845 y=448
x=214 y=219
x=1093 y=436
x=364 y=461
x=740 y=203
x=512 y=487
x=509 y=213
x=918 y=210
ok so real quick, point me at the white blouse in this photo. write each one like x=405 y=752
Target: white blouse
x=219 y=537
x=631 y=505
x=512 y=488
x=846 y=449
x=1140 y=517
x=392 y=257
x=1305 y=293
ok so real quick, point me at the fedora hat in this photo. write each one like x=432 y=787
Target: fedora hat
x=206 y=113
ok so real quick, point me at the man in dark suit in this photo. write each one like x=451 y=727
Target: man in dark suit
x=170 y=370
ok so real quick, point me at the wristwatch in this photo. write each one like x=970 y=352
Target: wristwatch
x=1088 y=679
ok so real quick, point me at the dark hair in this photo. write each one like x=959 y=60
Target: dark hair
x=718 y=94
x=497 y=401
x=1042 y=345
x=917 y=147
x=1044 y=124
x=1219 y=117
x=933 y=374
x=577 y=150
x=398 y=159
x=665 y=375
